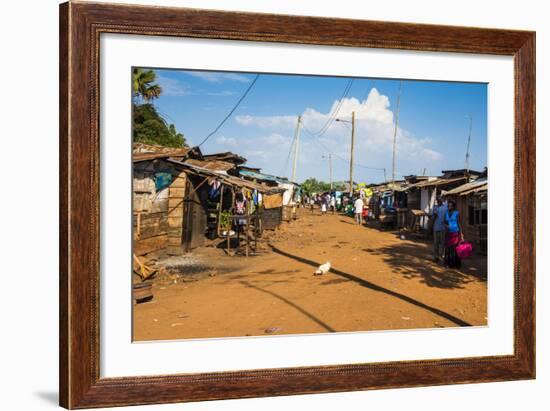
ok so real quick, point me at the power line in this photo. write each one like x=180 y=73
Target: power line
x=283 y=170
x=332 y=117
x=231 y=112
x=369 y=90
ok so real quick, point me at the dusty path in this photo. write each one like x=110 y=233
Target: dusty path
x=378 y=282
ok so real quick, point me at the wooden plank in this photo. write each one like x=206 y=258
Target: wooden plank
x=149 y=245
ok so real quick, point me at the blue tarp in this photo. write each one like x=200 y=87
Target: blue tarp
x=261 y=176
x=162 y=180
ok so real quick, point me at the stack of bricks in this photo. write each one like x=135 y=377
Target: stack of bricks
x=175 y=213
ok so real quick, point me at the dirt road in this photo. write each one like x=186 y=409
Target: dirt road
x=378 y=282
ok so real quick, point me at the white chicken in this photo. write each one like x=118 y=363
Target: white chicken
x=323 y=269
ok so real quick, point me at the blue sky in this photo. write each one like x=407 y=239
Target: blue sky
x=432 y=127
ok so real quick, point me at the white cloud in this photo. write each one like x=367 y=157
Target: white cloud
x=374 y=132
x=216 y=77
x=226 y=141
x=172 y=87
x=224 y=93
x=267 y=121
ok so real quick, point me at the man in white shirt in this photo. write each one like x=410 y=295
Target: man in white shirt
x=358 y=207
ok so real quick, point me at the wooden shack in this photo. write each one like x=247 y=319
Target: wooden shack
x=158 y=198
x=471 y=203
x=174 y=209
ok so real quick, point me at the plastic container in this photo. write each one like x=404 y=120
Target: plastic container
x=464 y=249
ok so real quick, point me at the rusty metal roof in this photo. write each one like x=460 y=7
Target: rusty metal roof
x=476 y=186
x=227 y=156
x=144 y=152
x=219 y=166
x=224 y=178
x=437 y=182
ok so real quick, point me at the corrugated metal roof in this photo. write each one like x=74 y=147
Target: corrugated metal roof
x=436 y=182
x=471 y=187
x=265 y=177
x=144 y=152
x=225 y=178
x=220 y=166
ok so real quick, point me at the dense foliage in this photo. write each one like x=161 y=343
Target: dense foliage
x=149 y=126
x=312 y=185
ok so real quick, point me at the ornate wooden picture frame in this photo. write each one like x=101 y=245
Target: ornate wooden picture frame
x=81 y=25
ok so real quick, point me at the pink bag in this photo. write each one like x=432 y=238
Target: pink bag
x=464 y=249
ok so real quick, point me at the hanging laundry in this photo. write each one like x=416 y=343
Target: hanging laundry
x=214 y=189
x=162 y=180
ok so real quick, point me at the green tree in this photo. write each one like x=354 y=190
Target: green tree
x=312 y=185
x=151 y=128
x=142 y=84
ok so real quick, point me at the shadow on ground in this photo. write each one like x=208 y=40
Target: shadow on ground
x=377 y=288
x=414 y=262
x=292 y=304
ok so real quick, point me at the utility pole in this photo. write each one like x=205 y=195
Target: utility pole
x=468 y=147
x=351 y=155
x=296 y=147
x=329 y=168
x=395 y=131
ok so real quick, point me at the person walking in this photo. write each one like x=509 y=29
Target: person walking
x=358 y=208
x=438 y=217
x=324 y=203
x=333 y=203
x=453 y=235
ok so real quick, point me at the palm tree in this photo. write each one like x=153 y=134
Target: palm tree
x=142 y=84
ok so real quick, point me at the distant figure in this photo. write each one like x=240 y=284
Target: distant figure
x=324 y=203
x=312 y=203
x=333 y=203
x=438 y=216
x=453 y=236
x=338 y=203
x=358 y=208
x=240 y=210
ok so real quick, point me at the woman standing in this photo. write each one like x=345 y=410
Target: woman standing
x=324 y=203
x=453 y=235
x=240 y=210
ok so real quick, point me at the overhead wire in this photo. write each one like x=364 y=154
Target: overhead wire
x=283 y=170
x=332 y=117
x=231 y=112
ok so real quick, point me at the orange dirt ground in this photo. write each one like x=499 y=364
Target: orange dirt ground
x=377 y=282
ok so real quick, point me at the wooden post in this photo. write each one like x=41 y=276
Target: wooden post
x=395 y=133
x=296 y=147
x=176 y=201
x=351 y=154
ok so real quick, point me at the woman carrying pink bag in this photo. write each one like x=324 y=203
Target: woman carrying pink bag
x=453 y=236
x=464 y=249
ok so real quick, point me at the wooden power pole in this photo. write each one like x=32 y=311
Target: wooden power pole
x=351 y=154
x=395 y=133
x=330 y=169
x=468 y=147
x=296 y=147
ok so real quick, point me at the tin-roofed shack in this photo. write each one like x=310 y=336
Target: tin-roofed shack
x=409 y=203
x=181 y=196
x=277 y=207
x=471 y=203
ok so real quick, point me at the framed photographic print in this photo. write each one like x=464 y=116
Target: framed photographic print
x=258 y=205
